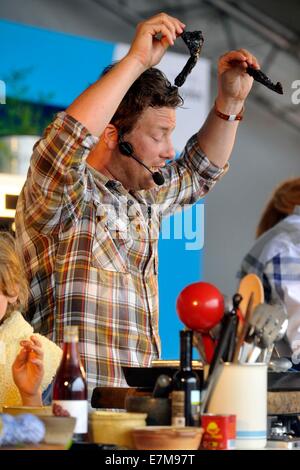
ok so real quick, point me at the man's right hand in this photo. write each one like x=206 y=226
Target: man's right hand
x=95 y=107
x=153 y=37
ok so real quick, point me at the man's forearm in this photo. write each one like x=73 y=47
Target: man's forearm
x=217 y=136
x=95 y=107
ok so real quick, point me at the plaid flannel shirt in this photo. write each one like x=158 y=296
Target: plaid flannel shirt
x=275 y=258
x=90 y=248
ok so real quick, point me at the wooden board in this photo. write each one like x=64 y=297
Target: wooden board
x=283 y=402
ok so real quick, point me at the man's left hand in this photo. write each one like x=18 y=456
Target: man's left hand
x=234 y=84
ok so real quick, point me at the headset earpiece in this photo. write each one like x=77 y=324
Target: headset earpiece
x=126 y=148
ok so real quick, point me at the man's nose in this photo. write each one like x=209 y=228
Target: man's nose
x=169 y=151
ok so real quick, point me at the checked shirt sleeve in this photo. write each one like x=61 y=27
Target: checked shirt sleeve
x=56 y=178
x=283 y=275
x=188 y=178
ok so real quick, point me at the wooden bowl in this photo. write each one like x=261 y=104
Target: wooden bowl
x=167 y=438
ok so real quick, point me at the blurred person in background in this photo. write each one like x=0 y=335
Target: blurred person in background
x=275 y=256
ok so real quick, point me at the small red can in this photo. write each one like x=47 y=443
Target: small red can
x=219 y=432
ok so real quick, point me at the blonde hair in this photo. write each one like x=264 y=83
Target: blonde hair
x=282 y=203
x=12 y=276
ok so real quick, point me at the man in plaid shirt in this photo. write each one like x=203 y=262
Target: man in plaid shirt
x=88 y=216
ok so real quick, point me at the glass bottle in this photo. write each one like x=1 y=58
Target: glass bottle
x=186 y=386
x=70 y=387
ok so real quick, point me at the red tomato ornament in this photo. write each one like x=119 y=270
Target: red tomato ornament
x=200 y=306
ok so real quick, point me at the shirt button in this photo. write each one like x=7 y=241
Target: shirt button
x=111 y=184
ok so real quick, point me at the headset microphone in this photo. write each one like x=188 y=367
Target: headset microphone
x=127 y=149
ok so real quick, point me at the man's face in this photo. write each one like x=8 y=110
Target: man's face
x=151 y=141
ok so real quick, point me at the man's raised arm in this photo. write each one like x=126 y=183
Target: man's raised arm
x=217 y=135
x=97 y=104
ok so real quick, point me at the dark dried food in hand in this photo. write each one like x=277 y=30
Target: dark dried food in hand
x=261 y=77
x=194 y=41
x=181 y=77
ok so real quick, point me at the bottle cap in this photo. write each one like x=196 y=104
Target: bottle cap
x=187 y=333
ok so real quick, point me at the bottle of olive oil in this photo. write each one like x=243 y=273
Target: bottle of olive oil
x=186 y=386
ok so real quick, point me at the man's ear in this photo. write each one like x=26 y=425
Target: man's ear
x=111 y=137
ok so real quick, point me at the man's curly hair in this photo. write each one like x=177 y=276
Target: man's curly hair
x=151 y=88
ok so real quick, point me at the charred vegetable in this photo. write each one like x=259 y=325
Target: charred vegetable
x=194 y=41
x=260 y=77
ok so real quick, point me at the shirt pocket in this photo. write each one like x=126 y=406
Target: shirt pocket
x=106 y=254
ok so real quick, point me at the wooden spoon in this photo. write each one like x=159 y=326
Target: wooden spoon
x=248 y=285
